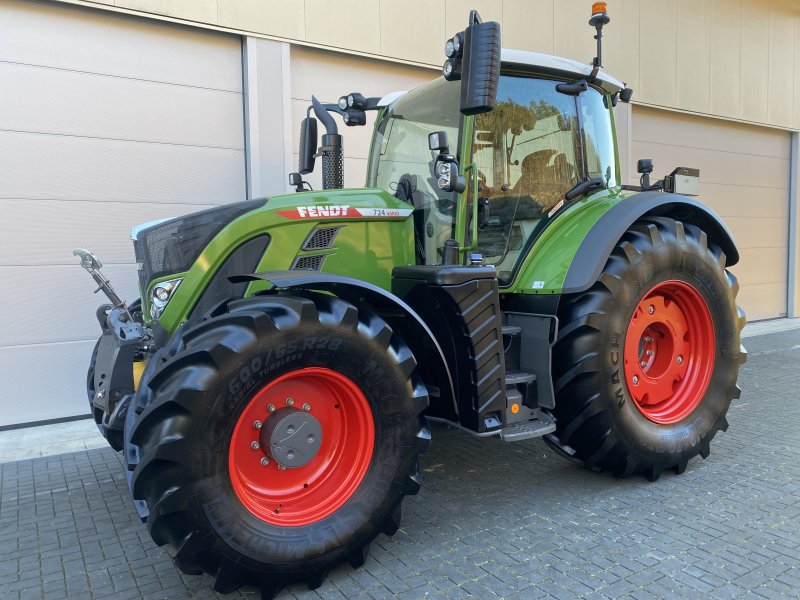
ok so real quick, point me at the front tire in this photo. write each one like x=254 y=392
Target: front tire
x=216 y=500
x=647 y=359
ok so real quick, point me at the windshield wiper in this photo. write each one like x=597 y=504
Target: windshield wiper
x=584 y=187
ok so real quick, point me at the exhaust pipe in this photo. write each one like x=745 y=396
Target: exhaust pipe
x=331 y=149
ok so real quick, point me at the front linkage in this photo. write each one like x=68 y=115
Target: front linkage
x=118 y=357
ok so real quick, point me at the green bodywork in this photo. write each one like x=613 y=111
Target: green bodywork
x=369 y=246
x=365 y=248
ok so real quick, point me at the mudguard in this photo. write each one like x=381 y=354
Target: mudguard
x=400 y=316
x=597 y=245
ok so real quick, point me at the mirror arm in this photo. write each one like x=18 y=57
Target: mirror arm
x=473 y=169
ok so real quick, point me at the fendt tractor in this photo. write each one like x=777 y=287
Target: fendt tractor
x=270 y=390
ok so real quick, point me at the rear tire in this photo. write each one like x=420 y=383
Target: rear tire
x=646 y=362
x=202 y=483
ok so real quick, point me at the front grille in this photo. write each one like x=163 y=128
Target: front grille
x=309 y=263
x=173 y=246
x=321 y=238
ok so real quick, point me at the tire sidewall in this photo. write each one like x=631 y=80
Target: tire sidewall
x=248 y=539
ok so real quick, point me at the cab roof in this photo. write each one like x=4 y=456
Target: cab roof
x=557 y=65
x=541 y=63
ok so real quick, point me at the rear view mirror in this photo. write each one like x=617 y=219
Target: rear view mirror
x=480 y=73
x=308 y=145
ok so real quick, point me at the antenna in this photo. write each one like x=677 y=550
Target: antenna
x=599 y=18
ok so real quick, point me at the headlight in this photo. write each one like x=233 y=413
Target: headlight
x=160 y=295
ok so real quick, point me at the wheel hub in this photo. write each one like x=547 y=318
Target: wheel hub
x=669 y=351
x=291 y=437
x=301 y=446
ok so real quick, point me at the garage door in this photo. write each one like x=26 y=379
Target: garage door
x=105 y=121
x=744 y=175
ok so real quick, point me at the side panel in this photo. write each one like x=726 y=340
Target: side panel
x=570 y=254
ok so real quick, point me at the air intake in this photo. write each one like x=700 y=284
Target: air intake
x=309 y=263
x=321 y=238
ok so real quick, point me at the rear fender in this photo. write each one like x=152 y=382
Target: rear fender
x=403 y=320
x=597 y=245
x=572 y=251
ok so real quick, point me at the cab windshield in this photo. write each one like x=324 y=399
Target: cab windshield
x=402 y=164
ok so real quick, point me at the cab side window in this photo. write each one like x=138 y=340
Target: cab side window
x=527 y=152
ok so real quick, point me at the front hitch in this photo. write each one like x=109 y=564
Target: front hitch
x=92 y=264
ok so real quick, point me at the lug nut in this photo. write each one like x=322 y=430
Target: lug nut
x=264 y=461
x=281 y=468
x=635 y=380
x=680 y=360
x=270 y=408
x=289 y=401
x=644 y=363
x=649 y=353
x=306 y=407
x=651 y=309
x=648 y=339
x=255 y=445
x=256 y=424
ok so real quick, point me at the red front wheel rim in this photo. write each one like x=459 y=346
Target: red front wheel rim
x=669 y=352
x=300 y=496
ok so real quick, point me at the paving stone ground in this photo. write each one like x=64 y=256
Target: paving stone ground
x=493 y=520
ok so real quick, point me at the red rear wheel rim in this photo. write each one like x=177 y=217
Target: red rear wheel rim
x=669 y=352
x=300 y=496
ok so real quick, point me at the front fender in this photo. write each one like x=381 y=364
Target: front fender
x=403 y=319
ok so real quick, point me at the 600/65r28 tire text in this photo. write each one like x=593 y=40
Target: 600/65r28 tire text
x=276 y=439
x=646 y=362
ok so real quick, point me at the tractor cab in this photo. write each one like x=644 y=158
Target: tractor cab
x=548 y=133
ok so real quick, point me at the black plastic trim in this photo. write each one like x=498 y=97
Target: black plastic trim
x=245 y=257
x=598 y=244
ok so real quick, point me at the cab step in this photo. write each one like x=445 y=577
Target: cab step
x=528 y=429
x=518 y=377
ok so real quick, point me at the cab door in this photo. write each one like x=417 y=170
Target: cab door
x=529 y=151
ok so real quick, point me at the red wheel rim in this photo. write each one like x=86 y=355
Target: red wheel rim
x=304 y=495
x=669 y=352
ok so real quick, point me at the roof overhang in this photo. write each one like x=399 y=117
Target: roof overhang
x=557 y=65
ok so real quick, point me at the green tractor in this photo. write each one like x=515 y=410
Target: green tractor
x=271 y=387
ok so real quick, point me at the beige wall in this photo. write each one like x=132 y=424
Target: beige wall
x=738 y=59
x=744 y=175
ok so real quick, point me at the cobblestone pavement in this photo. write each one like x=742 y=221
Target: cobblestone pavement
x=493 y=519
